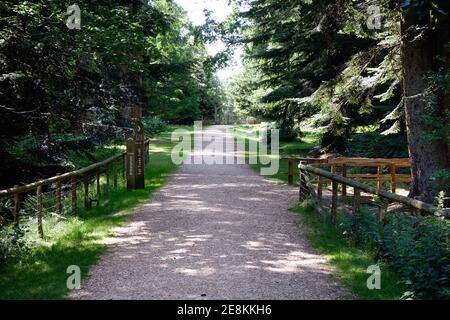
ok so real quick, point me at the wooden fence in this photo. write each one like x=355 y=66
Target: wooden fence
x=71 y=182
x=343 y=164
x=307 y=189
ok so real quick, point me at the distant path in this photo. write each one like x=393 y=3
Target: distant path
x=213 y=232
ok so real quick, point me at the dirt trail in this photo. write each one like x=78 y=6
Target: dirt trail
x=213 y=232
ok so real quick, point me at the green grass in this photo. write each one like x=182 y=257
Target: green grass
x=351 y=262
x=80 y=241
x=299 y=148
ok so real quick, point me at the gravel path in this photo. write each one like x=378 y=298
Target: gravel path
x=213 y=232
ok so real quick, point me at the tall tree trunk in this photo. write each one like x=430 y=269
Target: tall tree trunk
x=423 y=41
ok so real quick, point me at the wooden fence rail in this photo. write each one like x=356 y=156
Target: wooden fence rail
x=306 y=187
x=82 y=177
x=343 y=164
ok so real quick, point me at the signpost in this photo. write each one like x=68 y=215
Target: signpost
x=136 y=152
x=139 y=152
x=131 y=167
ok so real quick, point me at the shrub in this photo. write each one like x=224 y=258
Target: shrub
x=417 y=248
x=289 y=134
x=286 y=134
x=154 y=126
x=375 y=145
x=12 y=244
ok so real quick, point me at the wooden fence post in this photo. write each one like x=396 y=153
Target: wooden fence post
x=97 y=178
x=356 y=200
x=291 y=172
x=107 y=178
x=355 y=209
x=379 y=176
x=115 y=174
x=124 y=166
x=86 y=194
x=382 y=209
x=73 y=183
x=334 y=200
x=393 y=171
x=58 y=197
x=315 y=199
x=39 y=211
x=344 y=186
x=333 y=168
x=319 y=188
x=302 y=184
x=16 y=209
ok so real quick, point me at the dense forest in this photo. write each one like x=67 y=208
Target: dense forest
x=351 y=78
x=346 y=67
x=64 y=88
x=371 y=76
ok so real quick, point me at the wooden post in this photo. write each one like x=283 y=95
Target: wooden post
x=316 y=201
x=319 y=188
x=356 y=200
x=139 y=165
x=355 y=209
x=86 y=194
x=302 y=185
x=39 y=212
x=344 y=186
x=393 y=171
x=131 y=165
x=379 y=174
x=382 y=209
x=97 y=178
x=334 y=201
x=16 y=209
x=115 y=174
x=58 y=197
x=107 y=178
x=333 y=168
x=124 y=167
x=73 y=182
x=291 y=172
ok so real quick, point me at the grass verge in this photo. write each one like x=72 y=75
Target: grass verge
x=351 y=262
x=80 y=240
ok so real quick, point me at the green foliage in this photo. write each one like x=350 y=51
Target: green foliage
x=417 y=248
x=318 y=61
x=288 y=133
x=13 y=245
x=351 y=261
x=23 y=148
x=154 y=126
x=296 y=148
x=55 y=81
x=77 y=240
x=374 y=145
